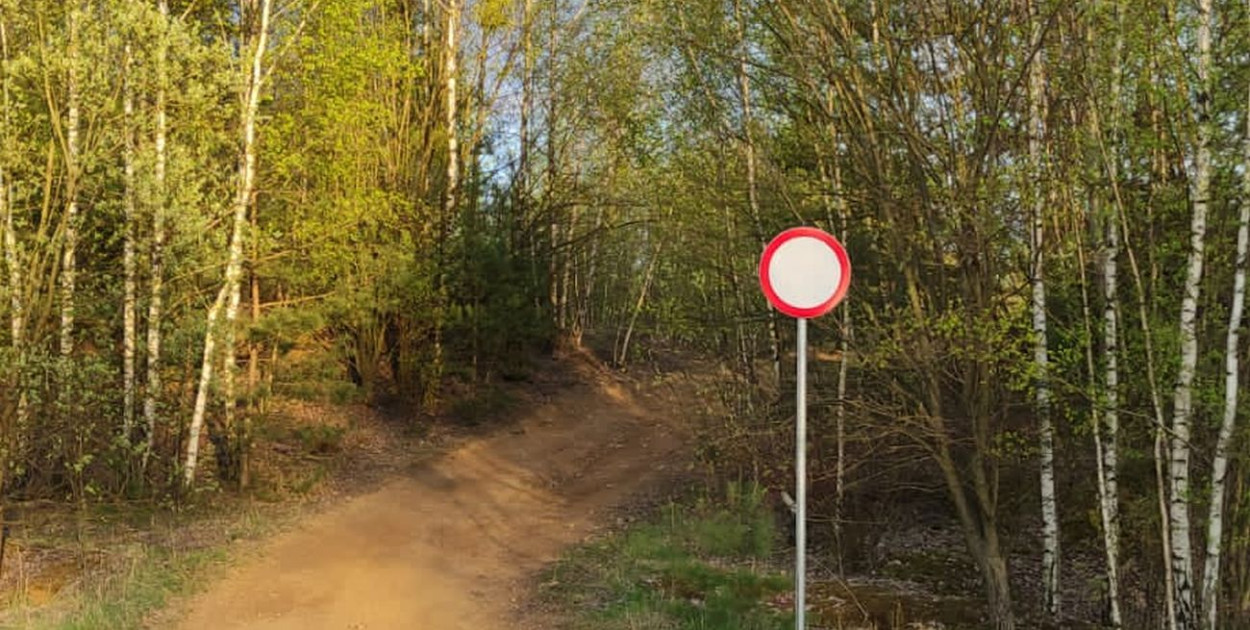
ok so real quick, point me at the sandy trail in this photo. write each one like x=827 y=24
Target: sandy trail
x=453 y=544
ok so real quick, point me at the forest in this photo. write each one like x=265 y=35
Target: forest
x=209 y=205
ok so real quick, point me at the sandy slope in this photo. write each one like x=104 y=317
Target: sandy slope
x=453 y=544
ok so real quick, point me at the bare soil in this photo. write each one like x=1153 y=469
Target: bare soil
x=454 y=542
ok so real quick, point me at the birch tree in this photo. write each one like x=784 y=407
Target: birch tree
x=1182 y=556
x=156 y=260
x=450 y=60
x=229 y=295
x=1106 y=414
x=69 y=255
x=1051 y=603
x=1232 y=372
x=129 y=266
x=520 y=181
x=13 y=266
x=752 y=168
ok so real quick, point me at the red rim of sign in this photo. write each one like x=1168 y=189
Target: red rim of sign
x=838 y=251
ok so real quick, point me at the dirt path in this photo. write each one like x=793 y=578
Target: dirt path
x=452 y=544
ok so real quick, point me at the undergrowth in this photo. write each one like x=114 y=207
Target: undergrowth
x=691 y=567
x=126 y=600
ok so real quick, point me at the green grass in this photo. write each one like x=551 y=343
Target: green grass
x=696 y=567
x=132 y=585
x=126 y=601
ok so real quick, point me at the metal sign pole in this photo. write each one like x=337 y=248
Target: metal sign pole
x=804 y=273
x=800 y=481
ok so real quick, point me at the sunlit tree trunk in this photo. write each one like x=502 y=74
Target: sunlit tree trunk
x=230 y=291
x=451 y=198
x=521 y=180
x=156 y=271
x=1051 y=604
x=129 y=284
x=1219 y=467
x=1182 y=556
x=69 y=255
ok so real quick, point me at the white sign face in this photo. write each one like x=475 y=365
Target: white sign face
x=805 y=273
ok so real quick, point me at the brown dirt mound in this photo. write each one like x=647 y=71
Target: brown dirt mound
x=451 y=544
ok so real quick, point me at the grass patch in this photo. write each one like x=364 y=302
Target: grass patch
x=126 y=599
x=119 y=584
x=693 y=567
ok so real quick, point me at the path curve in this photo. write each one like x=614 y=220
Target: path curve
x=454 y=544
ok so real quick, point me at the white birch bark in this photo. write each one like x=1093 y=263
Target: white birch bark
x=1108 y=440
x=753 y=200
x=156 y=271
x=1107 y=405
x=1178 y=465
x=835 y=203
x=1051 y=600
x=1219 y=467
x=844 y=368
x=201 y=393
x=1108 y=433
x=453 y=141
x=527 y=105
x=17 y=317
x=452 y=198
x=129 y=282
x=230 y=292
x=553 y=230
x=69 y=260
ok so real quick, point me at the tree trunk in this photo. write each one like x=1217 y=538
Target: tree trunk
x=13 y=264
x=17 y=321
x=1182 y=556
x=451 y=199
x=566 y=274
x=553 y=229
x=69 y=256
x=981 y=535
x=623 y=356
x=753 y=201
x=1051 y=604
x=1107 y=419
x=1219 y=467
x=253 y=374
x=156 y=271
x=201 y=393
x=1109 y=493
x=521 y=181
x=831 y=177
x=230 y=291
x=130 y=271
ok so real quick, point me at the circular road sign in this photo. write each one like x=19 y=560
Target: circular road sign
x=804 y=272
